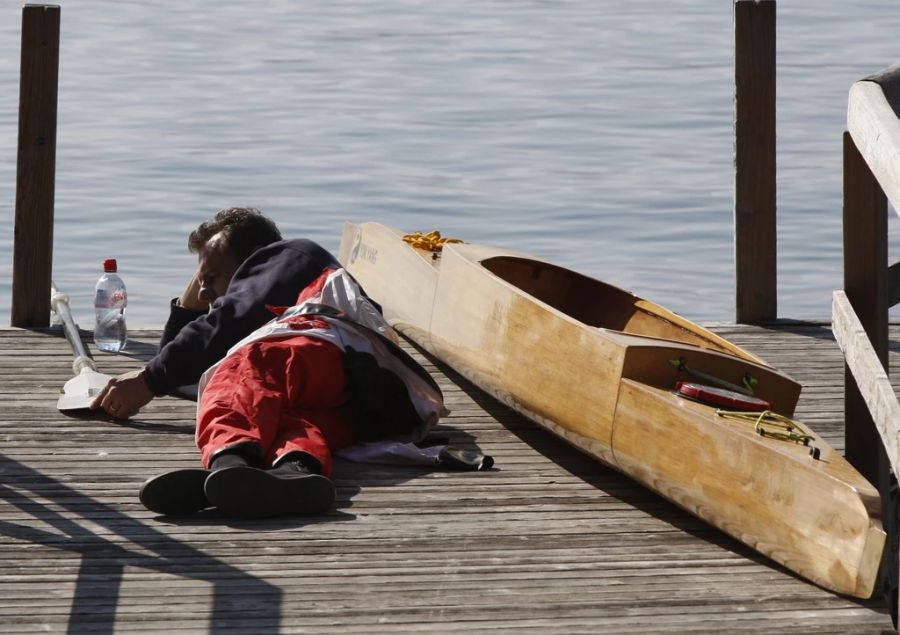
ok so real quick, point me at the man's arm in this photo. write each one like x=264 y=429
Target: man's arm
x=272 y=276
x=125 y=394
x=184 y=310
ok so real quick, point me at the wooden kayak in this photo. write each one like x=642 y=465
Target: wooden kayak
x=598 y=366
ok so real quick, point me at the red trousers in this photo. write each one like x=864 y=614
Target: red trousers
x=283 y=394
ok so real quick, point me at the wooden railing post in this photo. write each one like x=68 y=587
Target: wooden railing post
x=865 y=283
x=756 y=288
x=36 y=167
x=871 y=179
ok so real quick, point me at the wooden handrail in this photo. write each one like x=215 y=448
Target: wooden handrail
x=872 y=119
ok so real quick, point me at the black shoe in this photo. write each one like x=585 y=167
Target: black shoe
x=227 y=459
x=289 y=489
x=175 y=493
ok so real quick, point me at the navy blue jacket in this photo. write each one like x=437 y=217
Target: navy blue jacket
x=193 y=341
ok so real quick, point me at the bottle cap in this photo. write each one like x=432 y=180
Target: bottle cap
x=109 y=265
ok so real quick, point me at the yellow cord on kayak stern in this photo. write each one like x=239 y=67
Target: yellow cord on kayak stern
x=771 y=424
x=432 y=241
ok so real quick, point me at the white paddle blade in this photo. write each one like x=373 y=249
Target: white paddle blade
x=79 y=392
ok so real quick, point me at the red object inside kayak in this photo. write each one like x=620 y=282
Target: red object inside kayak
x=721 y=397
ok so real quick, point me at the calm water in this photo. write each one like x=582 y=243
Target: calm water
x=595 y=134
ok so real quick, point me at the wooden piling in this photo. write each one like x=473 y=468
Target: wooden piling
x=754 y=192
x=36 y=167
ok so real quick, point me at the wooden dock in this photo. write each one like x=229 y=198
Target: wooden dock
x=548 y=542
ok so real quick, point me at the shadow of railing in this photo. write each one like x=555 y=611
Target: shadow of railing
x=103 y=560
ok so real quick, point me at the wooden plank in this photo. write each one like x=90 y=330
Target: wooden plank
x=754 y=130
x=36 y=167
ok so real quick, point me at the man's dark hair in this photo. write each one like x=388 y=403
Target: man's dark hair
x=245 y=229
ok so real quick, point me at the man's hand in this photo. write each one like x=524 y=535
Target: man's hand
x=124 y=395
x=190 y=297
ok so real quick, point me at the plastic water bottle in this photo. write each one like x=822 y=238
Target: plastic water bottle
x=110 y=300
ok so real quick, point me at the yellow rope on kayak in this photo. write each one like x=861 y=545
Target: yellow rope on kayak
x=771 y=424
x=432 y=241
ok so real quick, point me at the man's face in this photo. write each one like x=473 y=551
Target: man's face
x=216 y=268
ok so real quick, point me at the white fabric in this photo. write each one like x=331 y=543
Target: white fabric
x=341 y=292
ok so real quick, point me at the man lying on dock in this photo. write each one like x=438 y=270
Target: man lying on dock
x=274 y=402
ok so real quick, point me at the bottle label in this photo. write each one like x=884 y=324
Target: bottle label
x=100 y=298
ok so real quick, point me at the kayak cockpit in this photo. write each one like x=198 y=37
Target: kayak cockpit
x=601 y=305
x=584 y=299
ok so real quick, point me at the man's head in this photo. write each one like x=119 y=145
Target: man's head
x=245 y=229
x=225 y=242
